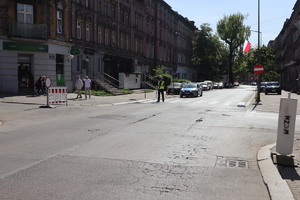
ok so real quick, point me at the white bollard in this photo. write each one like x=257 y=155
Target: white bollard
x=286 y=126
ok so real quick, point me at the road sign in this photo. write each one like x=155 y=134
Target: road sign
x=258 y=69
x=48 y=81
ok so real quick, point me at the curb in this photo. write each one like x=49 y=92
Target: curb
x=277 y=187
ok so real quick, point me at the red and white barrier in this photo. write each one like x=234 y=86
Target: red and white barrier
x=57 y=95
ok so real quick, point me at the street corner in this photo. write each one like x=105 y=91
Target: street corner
x=276 y=185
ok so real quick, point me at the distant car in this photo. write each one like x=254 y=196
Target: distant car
x=221 y=85
x=204 y=86
x=174 y=88
x=253 y=83
x=236 y=83
x=215 y=85
x=228 y=85
x=273 y=87
x=209 y=84
x=191 y=89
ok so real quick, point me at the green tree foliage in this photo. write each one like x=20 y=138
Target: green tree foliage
x=208 y=57
x=233 y=32
x=160 y=71
x=268 y=60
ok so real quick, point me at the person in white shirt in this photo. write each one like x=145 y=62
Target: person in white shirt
x=78 y=86
x=87 y=87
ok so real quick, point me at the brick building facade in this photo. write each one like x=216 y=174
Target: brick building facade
x=64 y=38
x=287 y=50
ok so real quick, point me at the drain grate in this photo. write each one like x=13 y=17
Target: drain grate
x=237 y=163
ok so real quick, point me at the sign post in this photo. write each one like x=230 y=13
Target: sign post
x=48 y=82
x=258 y=69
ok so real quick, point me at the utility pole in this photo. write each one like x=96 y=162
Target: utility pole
x=258 y=57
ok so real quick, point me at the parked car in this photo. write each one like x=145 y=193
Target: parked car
x=235 y=84
x=215 y=85
x=209 y=84
x=228 y=85
x=273 y=87
x=174 y=88
x=221 y=85
x=191 y=89
x=204 y=86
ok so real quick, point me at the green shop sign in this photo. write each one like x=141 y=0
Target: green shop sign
x=25 y=47
x=75 y=51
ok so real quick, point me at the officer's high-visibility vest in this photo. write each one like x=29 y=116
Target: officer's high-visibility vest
x=161 y=85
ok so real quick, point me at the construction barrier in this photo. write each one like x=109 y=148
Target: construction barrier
x=57 y=95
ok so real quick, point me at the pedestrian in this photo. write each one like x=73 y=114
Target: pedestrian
x=39 y=86
x=87 y=87
x=160 y=89
x=44 y=85
x=78 y=86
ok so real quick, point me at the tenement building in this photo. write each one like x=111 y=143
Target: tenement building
x=287 y=50
x=99 y=38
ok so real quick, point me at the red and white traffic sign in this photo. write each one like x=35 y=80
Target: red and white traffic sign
x=258 y=69
x=48 y=81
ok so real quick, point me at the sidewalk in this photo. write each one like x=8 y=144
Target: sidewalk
x=41 y=100
x=283 y=182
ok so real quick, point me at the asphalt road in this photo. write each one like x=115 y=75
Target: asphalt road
x=184 y=148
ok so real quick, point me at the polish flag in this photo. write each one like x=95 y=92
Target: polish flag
x=247 y=46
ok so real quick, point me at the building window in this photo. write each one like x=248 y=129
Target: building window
x=114 y=39
x=100 y=7
x=122 y=46
x=99 y=35
x=107 y=8
x=59 y=64
x=113 y=11
x=106 y=37
x=59 y=20
x=25 y=13
x=78 y=30
x=88 y=32
x=126 y=42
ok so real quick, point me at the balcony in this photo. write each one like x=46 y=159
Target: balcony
x=28 y=31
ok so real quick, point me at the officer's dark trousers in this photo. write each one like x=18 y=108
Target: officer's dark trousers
x=161 y=92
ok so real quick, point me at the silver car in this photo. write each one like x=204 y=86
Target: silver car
x=191 y=89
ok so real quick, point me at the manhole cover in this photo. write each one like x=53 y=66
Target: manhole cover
x=237 y=163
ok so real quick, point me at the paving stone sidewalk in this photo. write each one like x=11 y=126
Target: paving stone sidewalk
x=291 y=174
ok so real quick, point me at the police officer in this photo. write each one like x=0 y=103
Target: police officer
x=161 y=88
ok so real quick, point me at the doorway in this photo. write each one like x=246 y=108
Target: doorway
x=25 y=78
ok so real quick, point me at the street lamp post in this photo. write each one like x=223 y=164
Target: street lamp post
x=258 y=57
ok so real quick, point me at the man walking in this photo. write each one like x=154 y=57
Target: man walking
x=161 y=88
x=78 y=86
x=87 y=87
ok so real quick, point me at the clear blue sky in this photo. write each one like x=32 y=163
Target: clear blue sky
x=273 y=14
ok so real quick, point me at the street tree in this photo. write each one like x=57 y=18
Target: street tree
x=233 y=32
x=268 y=60
x=208 y=53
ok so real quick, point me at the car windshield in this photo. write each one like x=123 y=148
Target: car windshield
x=190 y=86
x=272 y=84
